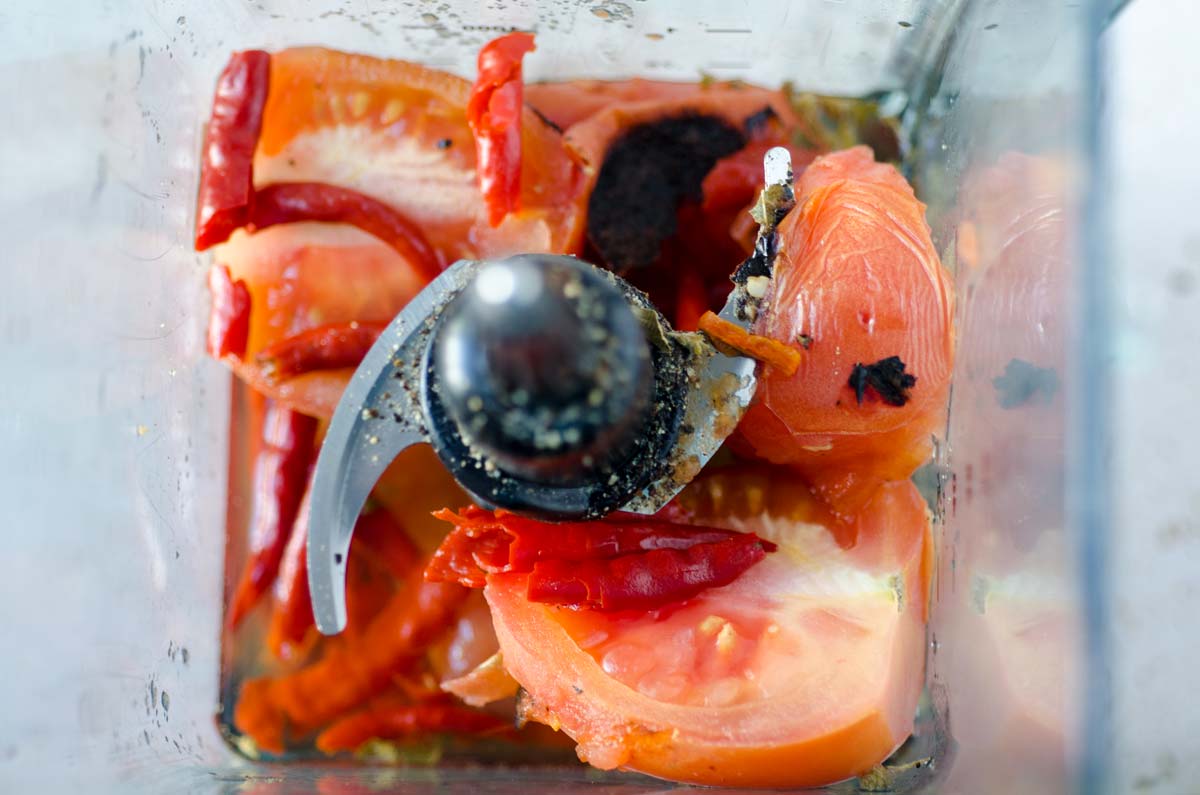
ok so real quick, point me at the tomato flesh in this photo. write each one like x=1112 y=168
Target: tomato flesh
x=803 y=671
x=857 y=280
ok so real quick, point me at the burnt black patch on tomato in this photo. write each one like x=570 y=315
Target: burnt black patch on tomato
x=886 y=378
x=1024 y=382
x=760 y=121
x=646 y=174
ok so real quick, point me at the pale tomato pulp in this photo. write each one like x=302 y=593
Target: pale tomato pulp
x=804 y=671
x=857 y=280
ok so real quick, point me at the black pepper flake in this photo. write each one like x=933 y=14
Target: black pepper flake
x=1024 y=382
x=805 y=341
x=886 y=377
x=445 y=143
x=545 y=119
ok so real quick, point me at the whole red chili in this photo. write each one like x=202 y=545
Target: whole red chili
x=392 y=718
x=494 y=115
x=289 y=202
x=326 y=347
x=226 y=163
x=280 y=473
x=351 y=673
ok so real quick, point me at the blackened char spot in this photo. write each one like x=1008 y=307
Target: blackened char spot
x=886 y=377
x=757 y=122
x=646 y=174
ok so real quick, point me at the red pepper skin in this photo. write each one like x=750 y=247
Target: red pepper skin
x=382 y=537
x=645 y=580
x=494 y=115
x=279 y=479
x=229 y=320
x=226 y=166
x=626 y=563
x=389 y=718
x=325 y=347
x=350 y=673
x=289 y=202
x=376 y=534
x=293 y=614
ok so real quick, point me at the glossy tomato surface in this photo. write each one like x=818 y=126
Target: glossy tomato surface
x=804 y=671
x=857 y=281
x=396 y=132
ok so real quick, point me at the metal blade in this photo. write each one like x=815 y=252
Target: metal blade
x=723 y=385
x=378 y=416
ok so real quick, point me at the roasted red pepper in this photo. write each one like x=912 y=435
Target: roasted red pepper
x=620 y=564
x=229 y=319
x=279 y=478
x=293 y=616
x=325 y=347
x=352 y=672
x=226 y=167
x=376 y=534
x=494 y=115
x=645 y=580
x=381 y=536
x=391 y=717
x=290 y=202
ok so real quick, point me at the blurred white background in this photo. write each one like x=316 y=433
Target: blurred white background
x=1152 y=106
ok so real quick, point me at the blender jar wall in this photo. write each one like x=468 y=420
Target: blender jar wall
x=113 y=451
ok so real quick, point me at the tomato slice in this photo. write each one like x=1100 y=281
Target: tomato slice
x=804 y=671
x=398 y=132
x=857 y=281
x=304 y=275
x=570 y=102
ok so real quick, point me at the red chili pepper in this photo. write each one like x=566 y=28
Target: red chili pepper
x=226 y=168
x=376 y=535
x=645 y=580
x=325 y=347
x=229 y=320
x=290 y=202
x=293 y=616
x=381 y=536
x=391 y=718
x=494 y=115
x=614 y=564
x=349 y=673
x=279 y=477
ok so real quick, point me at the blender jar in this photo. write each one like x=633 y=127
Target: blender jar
x=114 y=446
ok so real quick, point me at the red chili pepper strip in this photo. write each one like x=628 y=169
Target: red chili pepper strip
x=605 y=565
x=494 y=115
x=293 y=616
x=376 y=535
x=326 y=347
x=382 y=537
x=351 y=673
x=279 y=478
x=390 y=719
x=226 y=167
x=290 y=202
x=645 y=580
x=229 y=320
